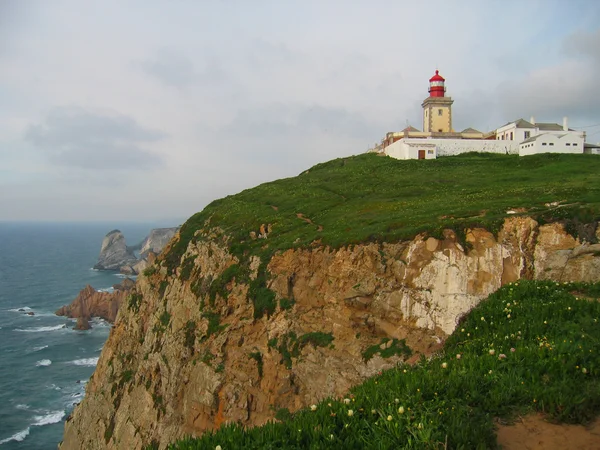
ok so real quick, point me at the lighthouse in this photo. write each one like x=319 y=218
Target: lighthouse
x=437 y=108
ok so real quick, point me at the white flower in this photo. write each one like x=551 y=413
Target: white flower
x=396 y=400
x=492 y=351
x=389 y=418
x=373 y=411
x=444 y=365
x=218 y=447
x=346 y=401
x=458 y=356
x=584 y=370
x=508 y=316
x=350 y=412
x=331 y=437
x=482 y=318
x=313 y=407
x=401 y=410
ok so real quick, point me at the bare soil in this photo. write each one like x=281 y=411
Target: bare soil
x=535 y=433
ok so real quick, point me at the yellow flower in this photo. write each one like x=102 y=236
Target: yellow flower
x=389 y=418
x=313 y=407
x=346 y=401
x=444 y=365
x=401 y=410
x=218 y=447
x=350 y=413
x=492 y=351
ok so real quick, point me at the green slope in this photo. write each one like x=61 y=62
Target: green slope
x=373 y=198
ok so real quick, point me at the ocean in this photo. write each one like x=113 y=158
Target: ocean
x=44 y=363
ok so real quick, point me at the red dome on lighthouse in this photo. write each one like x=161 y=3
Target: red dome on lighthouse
x=436 y=85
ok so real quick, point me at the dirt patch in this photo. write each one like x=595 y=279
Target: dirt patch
x=535 y=433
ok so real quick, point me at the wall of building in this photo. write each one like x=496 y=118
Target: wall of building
x=410 y=150
x=433 y=121
x=553 y=143
x=450 y=147
x=518 y=134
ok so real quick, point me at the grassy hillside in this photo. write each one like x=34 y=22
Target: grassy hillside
x=373 y=198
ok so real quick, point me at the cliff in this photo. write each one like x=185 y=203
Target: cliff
x=181 y=360
x=284 y=294
x=91 y=303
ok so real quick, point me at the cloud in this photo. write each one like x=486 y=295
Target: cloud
x=76 y=137
x=172 y=68
x=291 y=120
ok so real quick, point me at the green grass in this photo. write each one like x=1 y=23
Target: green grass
x=372 y=198
x=531 y=346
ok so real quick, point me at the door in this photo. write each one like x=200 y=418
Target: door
x=421 y=154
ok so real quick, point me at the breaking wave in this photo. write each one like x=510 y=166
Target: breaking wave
x=41 y=329
x=89 y=362
x=16 y=437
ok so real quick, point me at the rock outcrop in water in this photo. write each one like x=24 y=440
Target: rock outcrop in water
x=91 y=303
x=189 y=351
x=116 y=255
x=114 y=252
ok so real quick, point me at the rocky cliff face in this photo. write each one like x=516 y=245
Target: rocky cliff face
x=114 y=252
x=189 y=352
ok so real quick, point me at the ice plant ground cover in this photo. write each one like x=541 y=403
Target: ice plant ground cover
x=531 y=346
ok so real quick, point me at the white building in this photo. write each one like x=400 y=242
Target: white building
x=551 y=143
x=439 y=139
x=536 y=138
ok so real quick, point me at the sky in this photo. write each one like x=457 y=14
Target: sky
x=149 y=110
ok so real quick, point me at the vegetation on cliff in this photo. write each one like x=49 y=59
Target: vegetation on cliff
x=370 y=198
x=531 y=346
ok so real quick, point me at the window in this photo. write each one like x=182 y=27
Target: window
x=511 y=135
x=568 y=144
x=425 y=113
x=551 y=143
x=440 y=112
x=430 y=152
x=575 y=145
x=440 y=130
x=527 y=134
x=543 y=143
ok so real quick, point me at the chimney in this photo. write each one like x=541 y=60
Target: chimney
x=532 y=120
x=565 y=124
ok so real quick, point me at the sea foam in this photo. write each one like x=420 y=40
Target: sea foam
x=37 y=349
x=43 y=363
x=16 y=437
x=48 y=419
x=40 y=329
x=20 y=309
x=89 y=362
